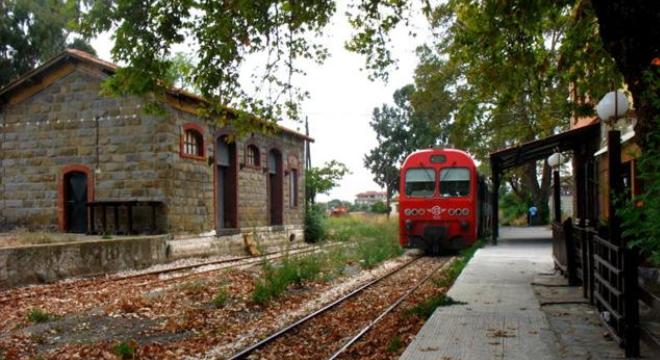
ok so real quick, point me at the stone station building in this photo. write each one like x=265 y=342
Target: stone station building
x=64 y=147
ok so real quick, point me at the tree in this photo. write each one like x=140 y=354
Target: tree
x=400 y=131
x=634 y=46
x=32 y=31
x=509 y=67
x=320 y=180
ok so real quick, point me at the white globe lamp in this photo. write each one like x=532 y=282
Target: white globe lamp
x=612 y=106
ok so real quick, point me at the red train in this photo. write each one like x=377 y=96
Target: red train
x=442 y=201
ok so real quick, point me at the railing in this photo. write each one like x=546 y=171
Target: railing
x=563 y=251
x=608 y=274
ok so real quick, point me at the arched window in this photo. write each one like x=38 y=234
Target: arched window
x=252 y=157
x=192 y=142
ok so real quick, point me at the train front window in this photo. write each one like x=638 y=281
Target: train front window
x=454 y=182
x=420 y=182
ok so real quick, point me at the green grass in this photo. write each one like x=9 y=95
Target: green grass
x=125 y=350
x=39 y=316
x=278 y=277
x=375 y=240
x=221 y=297
x=425 y=309
x=395 y=344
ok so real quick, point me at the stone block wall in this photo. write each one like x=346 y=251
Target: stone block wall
x=51 y=262
x=127 y=155
x=55 y=129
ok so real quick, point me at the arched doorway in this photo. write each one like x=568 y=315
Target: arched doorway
x=75 y=201
x=226 y=186
x=275 y=181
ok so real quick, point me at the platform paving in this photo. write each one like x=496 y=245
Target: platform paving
x=501 y=316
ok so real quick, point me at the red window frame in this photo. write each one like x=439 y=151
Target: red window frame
x=257 y=158
x=192 y=127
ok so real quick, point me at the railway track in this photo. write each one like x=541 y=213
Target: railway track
x=154 y=276
x=292 y=329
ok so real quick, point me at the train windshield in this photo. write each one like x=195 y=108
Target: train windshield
x=454 y=182
x=420 y=182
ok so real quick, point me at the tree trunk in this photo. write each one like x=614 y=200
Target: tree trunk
x=540 y=192
x=630 y=34
x=387 y=200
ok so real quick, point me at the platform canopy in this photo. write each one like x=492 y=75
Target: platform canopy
x=540 y=149
x=578 y=140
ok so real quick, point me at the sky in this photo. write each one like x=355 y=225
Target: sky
x=341 y=101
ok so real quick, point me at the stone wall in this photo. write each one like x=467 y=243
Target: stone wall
x=44 y=134
x=48 y=263
x=138 y=159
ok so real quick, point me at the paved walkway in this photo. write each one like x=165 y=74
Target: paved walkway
x=502 y=317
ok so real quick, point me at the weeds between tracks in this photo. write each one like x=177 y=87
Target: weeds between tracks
x=375 y=242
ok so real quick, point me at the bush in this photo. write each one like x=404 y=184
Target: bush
x=380 y=208
x=221 y=297
x=126 y=350
x=39 y=316
x=278 y=278
x=315 y=228
x=640 y=217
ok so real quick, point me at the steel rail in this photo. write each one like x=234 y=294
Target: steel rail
x=110 y=279
x=388 y=310
x=250 y=349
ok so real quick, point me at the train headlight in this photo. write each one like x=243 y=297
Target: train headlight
x=421 y=211
x=409 y=225
x=407 y=212
x=464 y=225
x=451 y=212
x=465 y=211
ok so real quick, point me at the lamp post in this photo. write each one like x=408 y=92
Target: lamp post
x=554 y=161
x=611 y=107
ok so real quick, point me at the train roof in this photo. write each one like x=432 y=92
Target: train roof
x=448 y=151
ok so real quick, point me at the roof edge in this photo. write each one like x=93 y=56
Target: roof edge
x=83 y=56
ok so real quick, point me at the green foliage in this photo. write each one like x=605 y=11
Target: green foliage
x=375 y=242
x=222 y=35
x=513 y=208
x=320 y=180
x=125 y=350
x=278 y=277
x=221 y=297
x=514 y=72
x=399 y=131
x=39 y=316
x=32 y=31
x=425 y=309
x=394 y=344
x=315 y=228
x=374 y=251
x=640 y=216
x=379 y=208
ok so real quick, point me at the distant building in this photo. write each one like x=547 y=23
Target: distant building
x=369 y=198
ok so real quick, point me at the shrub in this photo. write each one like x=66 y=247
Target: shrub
x=126 y=350
x=278 y=278
x=395 y=344
x=39 y=316
x=380 y=208
x=221 y=297
x=425 y=309
x=315 y=228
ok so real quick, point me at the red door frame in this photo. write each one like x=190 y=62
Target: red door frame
x=62 y=221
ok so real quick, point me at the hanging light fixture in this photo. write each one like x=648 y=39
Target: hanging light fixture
x=612 y=106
